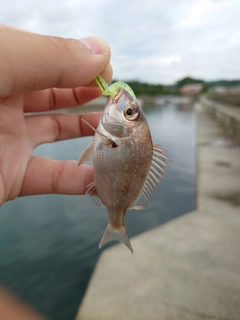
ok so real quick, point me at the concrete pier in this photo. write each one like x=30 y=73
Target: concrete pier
x=227 y=115
x=188 y=268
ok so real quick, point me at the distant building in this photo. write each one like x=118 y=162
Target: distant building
x=225 y=90
x=191 y=89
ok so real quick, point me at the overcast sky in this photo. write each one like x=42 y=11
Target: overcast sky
x=156 y=41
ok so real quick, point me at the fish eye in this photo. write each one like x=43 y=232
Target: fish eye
x=131 y=112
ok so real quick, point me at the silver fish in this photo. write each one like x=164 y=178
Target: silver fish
x=127 y=166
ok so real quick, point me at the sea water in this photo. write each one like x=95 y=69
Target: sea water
x=49 y=243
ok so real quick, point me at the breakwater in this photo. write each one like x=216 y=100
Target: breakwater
x=227 y=115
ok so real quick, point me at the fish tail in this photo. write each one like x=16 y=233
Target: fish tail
x=112 y=233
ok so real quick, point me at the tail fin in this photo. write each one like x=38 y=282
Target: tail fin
x=120 y=234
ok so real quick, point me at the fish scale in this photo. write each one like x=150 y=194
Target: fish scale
x=127 y=166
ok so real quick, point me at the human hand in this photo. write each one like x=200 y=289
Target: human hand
x=41 y=73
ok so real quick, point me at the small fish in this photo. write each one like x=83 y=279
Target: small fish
x=127 y=166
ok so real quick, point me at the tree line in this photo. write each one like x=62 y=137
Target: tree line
x=141 y=88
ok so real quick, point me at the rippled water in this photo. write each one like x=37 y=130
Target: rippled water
x=49 y=243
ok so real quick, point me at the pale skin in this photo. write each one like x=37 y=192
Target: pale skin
x=43 y=73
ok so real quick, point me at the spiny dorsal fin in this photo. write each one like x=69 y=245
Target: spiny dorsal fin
x=153 y=177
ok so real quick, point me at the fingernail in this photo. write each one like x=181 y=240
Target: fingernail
x=96 y=44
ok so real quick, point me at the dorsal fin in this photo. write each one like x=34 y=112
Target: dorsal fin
x=153 y=177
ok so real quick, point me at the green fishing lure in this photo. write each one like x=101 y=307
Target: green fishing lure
x=113 y=89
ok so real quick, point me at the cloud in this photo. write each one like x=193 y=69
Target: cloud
x=196 y=13
x=153 y=41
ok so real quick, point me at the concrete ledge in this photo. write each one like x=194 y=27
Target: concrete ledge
x=227 y=115
x=187 y=269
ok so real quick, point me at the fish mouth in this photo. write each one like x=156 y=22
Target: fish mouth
x=118 y=95
x=113 y=119
x=114 y=114
x=113 y=124
x=114 y=110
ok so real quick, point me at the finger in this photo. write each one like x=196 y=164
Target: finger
x=55 y=127
x=12 y=308
x=31 y=62
x=47 y=176
x=53 y=99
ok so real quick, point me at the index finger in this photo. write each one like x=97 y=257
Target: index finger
x=30 y=62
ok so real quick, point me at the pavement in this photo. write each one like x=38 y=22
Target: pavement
x=188 y=268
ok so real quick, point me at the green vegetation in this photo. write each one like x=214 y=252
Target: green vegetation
x=224 y=83
x=188 y=80
x=141 y=88
x=209 y=84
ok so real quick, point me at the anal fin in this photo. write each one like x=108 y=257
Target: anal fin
x=92 y=192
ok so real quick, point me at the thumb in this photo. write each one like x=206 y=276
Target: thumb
x=30 y=62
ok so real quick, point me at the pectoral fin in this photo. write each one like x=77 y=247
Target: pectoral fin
x=86 y=155
x=106 y=140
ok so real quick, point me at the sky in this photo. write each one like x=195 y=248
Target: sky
x=154 y=41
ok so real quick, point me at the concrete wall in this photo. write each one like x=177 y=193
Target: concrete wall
x=233 y=99
x=227 y=115
x=227 y=95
